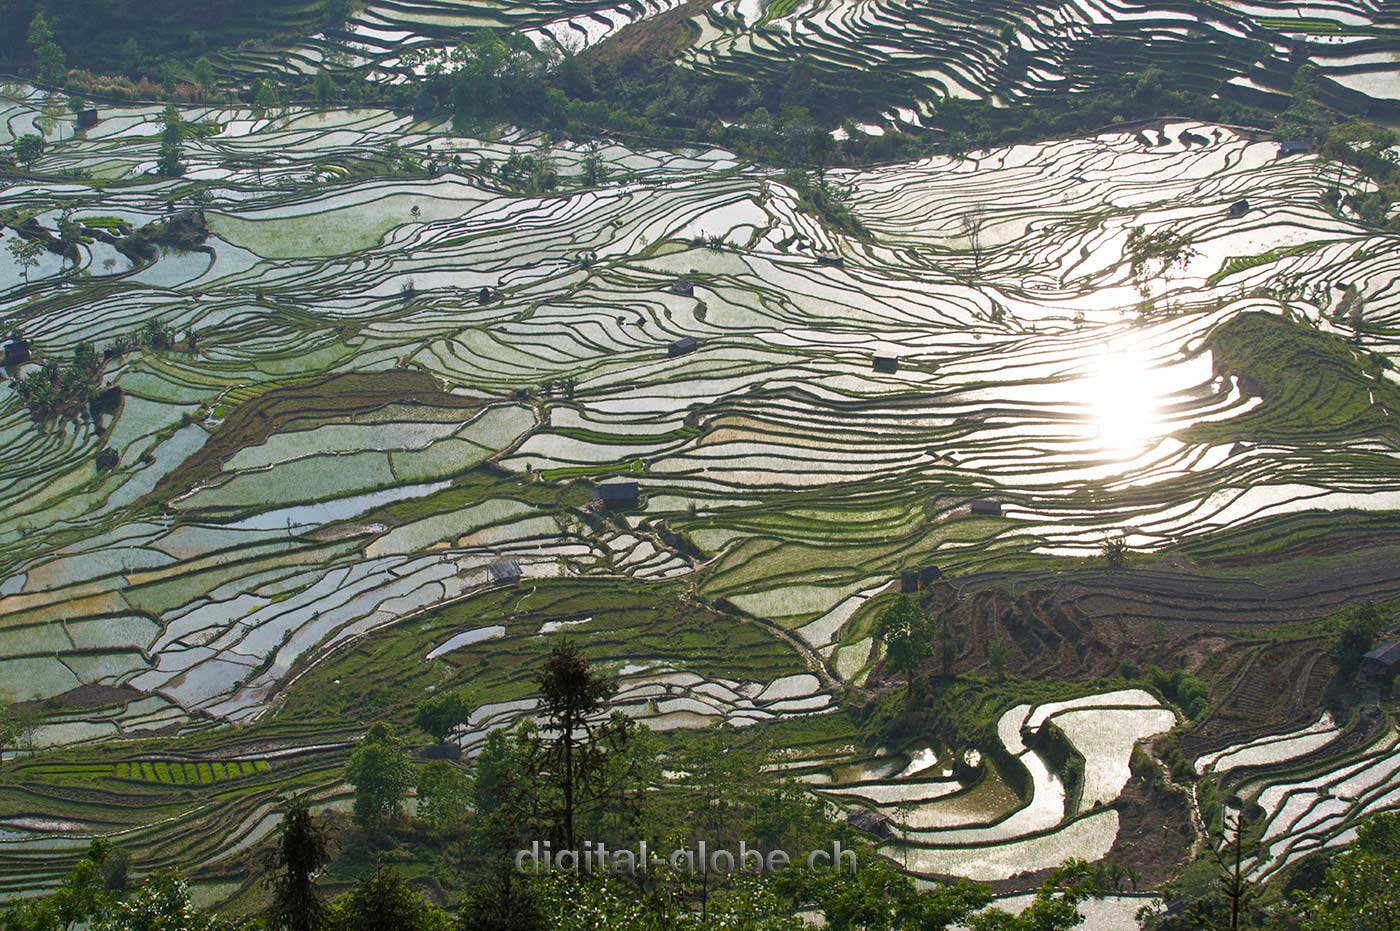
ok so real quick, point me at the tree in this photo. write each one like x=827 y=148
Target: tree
x=1054 y=908
x=383 y=901
x=1361 y=888
x=880 y=898
x=1239 y=891
x=592 y=167
x=133 y=59
x=162 y=903
x=300 y=851
x=168 y=164
x=381 y=774
x=543 y=175
x=571 y=695
x=1115 y=552
x=1352 y=308
x=1154 y=255
x=28 y=148
x=204 y=74
x=907 y=635
x=265 y=97
x=53 y=63
x=997 y=655
x=40 y=31
x=502 y=902
x=972 y=224
x=440 y=715
x=53 y=67
x=1356 y=630
x=444 y=794
x=26 y=253
x=335 y=12
x=324 y=87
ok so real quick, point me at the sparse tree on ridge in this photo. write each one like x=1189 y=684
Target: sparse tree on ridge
x=168 y=164
x=907 y=635
x=300 y=851
x=572 y=693
x=973 y=223
x=381 y=774
x=443 y=713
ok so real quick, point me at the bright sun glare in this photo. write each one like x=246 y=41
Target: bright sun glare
x=1124 y=398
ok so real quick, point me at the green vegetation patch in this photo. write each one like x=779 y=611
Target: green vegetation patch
x=1314 y=387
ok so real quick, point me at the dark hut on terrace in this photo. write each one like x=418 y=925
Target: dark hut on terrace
x=106 y=402
x=1383 y=663
x=87 y=118
x=986 y=507
x=916 y=580
x=884 y=362
x=835 y=261
x=682 y=346
x=17 y=351
x=683 y=286
x=505 y=572
x=1286 y=149
x=1239 y=208
x=620 y=496
x=870 y=822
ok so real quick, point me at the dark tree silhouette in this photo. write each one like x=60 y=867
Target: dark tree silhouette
x=301 y=850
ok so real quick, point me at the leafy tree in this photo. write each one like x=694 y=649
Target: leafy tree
x=444 y=794
x=335 y=12
x=1356 y=630
x=440 y=715
x=265 y=96
x=593 y=169
x=381 y=774
x=1361 y=888
x=324 y=88
x=1155 y=255
x=383 y=901
x=503 y=901
x=28 y=148
x=907 y=635
x=204 y=74
x=132 y=58
x=290 y=866
x=168 y=164
x=572 y=694
x=52 y=62
x=162 y=903
x=997 y=655
x=40 y=31
x=1054 y=908
x=878 y=897
x=26 y=253
x=1115 y=552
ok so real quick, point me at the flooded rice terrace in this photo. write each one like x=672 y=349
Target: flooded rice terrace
x=1037 y=397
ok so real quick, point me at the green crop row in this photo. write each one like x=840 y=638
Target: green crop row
x=178 y=773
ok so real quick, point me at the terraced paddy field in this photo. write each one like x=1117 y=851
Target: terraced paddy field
x=401 y=384
x=918 y=56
